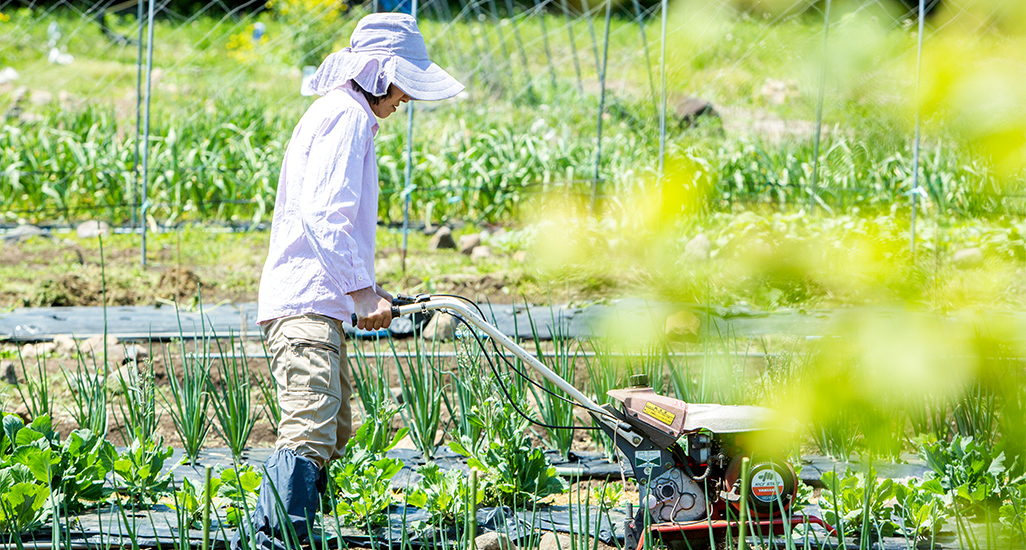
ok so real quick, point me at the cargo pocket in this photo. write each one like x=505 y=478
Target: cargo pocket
x=312 y=356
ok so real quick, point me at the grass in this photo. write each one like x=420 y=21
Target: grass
x=490 y=154
x=553 y=408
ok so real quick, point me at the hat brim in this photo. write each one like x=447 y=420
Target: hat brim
x=424 y=80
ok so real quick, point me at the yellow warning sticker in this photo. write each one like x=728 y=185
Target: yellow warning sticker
x=659 y=413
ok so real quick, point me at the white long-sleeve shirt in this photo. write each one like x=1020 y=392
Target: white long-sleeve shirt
x=325 y=213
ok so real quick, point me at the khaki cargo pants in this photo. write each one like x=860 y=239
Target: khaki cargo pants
x=308 y=361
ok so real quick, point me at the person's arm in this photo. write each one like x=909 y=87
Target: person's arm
x=330 y=197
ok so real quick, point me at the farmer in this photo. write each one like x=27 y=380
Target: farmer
x=320 y=263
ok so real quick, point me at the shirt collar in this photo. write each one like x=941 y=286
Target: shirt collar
x=362 y=101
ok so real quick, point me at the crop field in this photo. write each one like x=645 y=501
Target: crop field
x=887 y=218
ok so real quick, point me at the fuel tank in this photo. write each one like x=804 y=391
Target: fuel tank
x=674 y=417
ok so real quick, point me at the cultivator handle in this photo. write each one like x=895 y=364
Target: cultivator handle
x=401 y=300
x=422 y=303
x=395 y=313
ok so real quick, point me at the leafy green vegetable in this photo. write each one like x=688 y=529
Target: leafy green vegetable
x=23 y=507
x=1013 y=514
x=920 y=507
x=445 y=495
x=139 y=468
x=970 y=473
x=515 y=472
x=238 y=490
x=364 y=489
x=361 y=480
x=854 y=499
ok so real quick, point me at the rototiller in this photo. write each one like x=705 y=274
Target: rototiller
x=686 y=457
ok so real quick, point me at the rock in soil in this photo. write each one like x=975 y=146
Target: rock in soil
x=23 y=412
x=128 y=373
x=24 y=233
x=698 y=249
x=441 y=327
x=481 y=253
x=468 y=243
x=692 y=110
x=7 y=372
x=549 y=541
x=92 y=229
x=66 y=345
x=682 y=326
x=441 y=239
x=553 y=541
x=494 y=541
x=967 y=257
x=93 y=345
x=40 y=348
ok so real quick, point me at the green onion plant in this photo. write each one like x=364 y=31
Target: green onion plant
x=138 y=405
x=190 y=401
x=232 y=400
x=420 y=380
x=88 y=394
x=554 y=407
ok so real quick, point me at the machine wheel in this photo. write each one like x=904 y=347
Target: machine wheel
x=773 y=482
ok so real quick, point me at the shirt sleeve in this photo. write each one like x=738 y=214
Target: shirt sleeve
x=330 y=197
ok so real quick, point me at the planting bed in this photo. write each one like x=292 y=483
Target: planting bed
x=157 y=526
x=711 y=369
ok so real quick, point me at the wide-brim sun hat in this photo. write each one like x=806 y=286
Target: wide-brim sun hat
x=385 y=48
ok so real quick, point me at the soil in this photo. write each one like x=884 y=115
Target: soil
x=44 y=272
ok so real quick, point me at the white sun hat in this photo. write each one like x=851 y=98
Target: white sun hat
x=385 y=48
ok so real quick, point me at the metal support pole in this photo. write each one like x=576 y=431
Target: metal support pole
x=520 y=47
x=545 y=42
x=146 y=130
x=662 y=84
x=138 y=113
x=915 y=145
x=407 y=188
x=644 y=44
x=502 y=40
x=602 y=107
x=591 y=31
x=819 y=112
x=573 y=45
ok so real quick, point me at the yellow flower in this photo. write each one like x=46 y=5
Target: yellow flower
x=4 y=17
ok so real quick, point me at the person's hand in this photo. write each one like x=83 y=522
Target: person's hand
x=373 y=312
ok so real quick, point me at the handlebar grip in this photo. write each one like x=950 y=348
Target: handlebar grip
x=394 y=311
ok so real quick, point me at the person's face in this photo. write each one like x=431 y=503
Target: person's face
x=390 y=102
